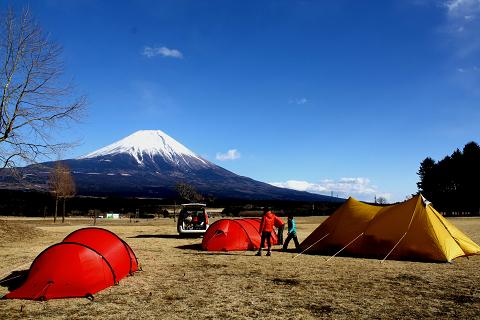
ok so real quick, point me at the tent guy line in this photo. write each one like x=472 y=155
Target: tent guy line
x=311 y=245
x=361 y=234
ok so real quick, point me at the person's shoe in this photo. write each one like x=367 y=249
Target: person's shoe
x=269 y=253
x=259 y=253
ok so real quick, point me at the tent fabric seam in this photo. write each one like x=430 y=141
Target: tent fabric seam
x=451 y=235
x=245 y=230
x=115 y=235
x=106 y=260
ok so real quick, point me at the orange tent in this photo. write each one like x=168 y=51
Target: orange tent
x=412 y=230
x=87 y=261
x=234 y=235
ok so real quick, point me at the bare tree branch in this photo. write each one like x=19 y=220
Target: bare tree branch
x=35 y=97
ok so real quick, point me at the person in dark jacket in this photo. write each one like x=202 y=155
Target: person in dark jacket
x=280 y=225
x=292 y=233
x=266 y=229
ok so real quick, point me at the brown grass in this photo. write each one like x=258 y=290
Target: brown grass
x=180 y=282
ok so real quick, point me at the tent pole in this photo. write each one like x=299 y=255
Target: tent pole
x=361 y=234
x=312 y=245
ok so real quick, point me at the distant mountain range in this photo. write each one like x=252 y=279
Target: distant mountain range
x=150 y=163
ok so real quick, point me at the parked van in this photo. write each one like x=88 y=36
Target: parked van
x=193 y=219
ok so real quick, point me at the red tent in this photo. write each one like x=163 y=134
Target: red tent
x=117 y=252
x=87 y=261
x=65 y=270
x=234 y=235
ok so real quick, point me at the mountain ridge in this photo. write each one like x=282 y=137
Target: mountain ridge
x=150 y=163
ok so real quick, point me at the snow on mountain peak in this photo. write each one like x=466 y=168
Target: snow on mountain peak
x=147 y=143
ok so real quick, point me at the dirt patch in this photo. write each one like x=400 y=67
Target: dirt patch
x=460 y=298
x=11 y=231
x=320 y=310
x=286 y=282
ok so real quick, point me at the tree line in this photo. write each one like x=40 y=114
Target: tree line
x=451 y=184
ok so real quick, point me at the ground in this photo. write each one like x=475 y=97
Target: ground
x=179 y=281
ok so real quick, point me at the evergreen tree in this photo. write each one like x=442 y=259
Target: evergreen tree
x=451 y=183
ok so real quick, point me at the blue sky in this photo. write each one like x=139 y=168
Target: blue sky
x=342 y=96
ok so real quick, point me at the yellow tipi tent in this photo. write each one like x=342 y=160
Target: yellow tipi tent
x=412 y=230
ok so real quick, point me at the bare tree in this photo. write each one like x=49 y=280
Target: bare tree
x=35 y=99
x=188 y=192
x=62 y=186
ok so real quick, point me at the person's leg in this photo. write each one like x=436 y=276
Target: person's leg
x=262 y=243
x=287 y=241
x=269 y=243
x=297 y=245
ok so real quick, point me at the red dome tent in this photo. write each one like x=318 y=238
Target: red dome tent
x=117 y=252
x=65 y=270
x=87 y=261
x=234 y=235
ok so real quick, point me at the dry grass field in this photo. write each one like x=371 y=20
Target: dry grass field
x=179 y=281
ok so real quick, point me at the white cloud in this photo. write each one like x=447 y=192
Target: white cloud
x=462 y=24
x=469 y=69
x=455 y=6
x=359 y=188
x=231 y=154
x=151 y=52
x=298 y=101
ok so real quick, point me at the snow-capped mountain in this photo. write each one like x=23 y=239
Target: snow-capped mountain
x=145 y=145
x=150 y=163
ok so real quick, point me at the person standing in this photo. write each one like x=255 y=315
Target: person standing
x=266 y=229
x=292 y=233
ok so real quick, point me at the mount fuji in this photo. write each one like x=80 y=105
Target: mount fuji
x=150 y=163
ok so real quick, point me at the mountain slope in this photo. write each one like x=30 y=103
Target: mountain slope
x=149 y=163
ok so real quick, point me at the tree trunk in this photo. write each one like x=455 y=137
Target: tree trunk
x=56 y=209
x=63 y=214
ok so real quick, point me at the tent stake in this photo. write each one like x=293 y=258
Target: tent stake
x=312 y=245
x=361 y=234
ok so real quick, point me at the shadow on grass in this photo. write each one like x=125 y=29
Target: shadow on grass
x=195 y=246
x=159 y=236
x=198 y=247
x=14 y=280
x=166 y=236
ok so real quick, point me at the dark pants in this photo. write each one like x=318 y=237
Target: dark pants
x=290 y=237
x=266 y=235
x=280 y=234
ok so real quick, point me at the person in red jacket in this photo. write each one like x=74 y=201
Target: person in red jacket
x=266 y=229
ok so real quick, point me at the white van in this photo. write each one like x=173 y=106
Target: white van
x=193 y=219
